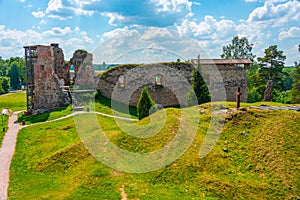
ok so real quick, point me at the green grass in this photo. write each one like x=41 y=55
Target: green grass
x=3 y=127
x=58 y=113
x=103 y=104
x=13 y=101
x=51 y=162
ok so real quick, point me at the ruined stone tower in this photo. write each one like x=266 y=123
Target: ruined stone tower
x=46 y=75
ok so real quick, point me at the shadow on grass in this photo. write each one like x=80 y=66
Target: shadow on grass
x=36 y=118
x=104 y=105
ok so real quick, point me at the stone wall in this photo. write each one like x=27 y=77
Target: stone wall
x=48 y=93
x=233 y=76
x=83 y=67
x=223 y=81
x=175 y=82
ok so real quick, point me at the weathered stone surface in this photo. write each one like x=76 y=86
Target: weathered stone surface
x=172 y=91
x=175 y=82
x=60 y=68
x=48 y=79
x=232 y=76
x=84 y=71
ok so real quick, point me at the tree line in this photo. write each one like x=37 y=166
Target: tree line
x=12 y=74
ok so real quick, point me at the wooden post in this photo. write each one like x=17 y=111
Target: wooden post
x=238 y=97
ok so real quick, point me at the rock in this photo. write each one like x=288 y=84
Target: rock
x=225 y=150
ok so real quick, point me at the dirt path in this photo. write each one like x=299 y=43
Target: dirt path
x=6 y=153
x=9 y=143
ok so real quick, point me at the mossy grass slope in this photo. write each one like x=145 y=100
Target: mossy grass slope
x=262 y=161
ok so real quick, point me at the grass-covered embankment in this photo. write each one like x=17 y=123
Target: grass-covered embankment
x=262 y=161
x=48 y=116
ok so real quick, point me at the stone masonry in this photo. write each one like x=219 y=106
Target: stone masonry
x=218 y=73
x=175 y=81
x=48 y=76
x=47 y=63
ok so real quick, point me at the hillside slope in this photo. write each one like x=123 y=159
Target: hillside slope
x=262 y=162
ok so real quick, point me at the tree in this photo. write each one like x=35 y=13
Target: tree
x=271 y=70
x=238 y=49
x=199 y=89
x=256 y=86
x=14 y=76
x=295 y=92
x=22 y=71
x=144 y=104
x=4 y=84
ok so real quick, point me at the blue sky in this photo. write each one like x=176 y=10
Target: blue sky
x=149 y=30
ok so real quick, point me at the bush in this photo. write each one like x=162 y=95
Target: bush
x=282 y=97
x=254 y=95
x=144 y=104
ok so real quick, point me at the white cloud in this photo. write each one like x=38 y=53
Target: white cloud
x=210 y=28
x=54 y=5
x=115 y=18
x=22 y=1
x=276 y=15
x=144 y=45
x=57 y=31
x=38 y=14
x=157 y=33
x=77 y=29
x=292 y=33
x=66 y=9
x=12 y=41
x=42 y=22
x=172 y=6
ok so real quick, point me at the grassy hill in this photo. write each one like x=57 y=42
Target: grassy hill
x=262 y=161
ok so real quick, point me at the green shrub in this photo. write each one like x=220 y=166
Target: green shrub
x=144 y=104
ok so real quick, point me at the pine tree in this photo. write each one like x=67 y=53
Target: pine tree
x=199 y=92
x=144 y=104
x=272 y=70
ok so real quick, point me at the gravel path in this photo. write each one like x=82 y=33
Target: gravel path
x=6 y=153
x=264 y=107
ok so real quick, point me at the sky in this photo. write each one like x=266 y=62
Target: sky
x=132 y=31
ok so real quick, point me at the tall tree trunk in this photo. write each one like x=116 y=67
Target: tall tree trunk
x=268 y=92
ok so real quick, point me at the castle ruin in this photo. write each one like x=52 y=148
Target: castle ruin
x=48 y=76
x=48 y=79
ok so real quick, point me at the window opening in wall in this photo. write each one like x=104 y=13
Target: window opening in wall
x=121 y=80
x=158 y=80
x=42 y=67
